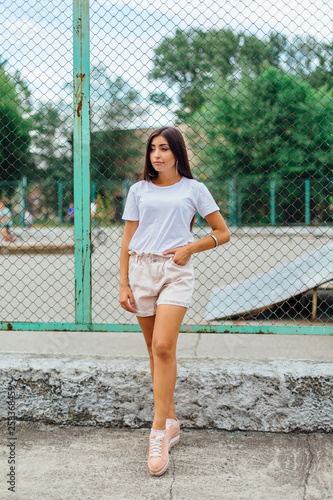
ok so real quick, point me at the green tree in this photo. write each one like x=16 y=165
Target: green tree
x=52 y=146
x=113 y=147
x=117 y=111
x=114 y=103
x=114 y=158
x=114 y=154
x=256 y=54
x=52 y=140
x=186 y=61
x=192 y=60
x=312 y=60
x=15 y=127
x=273 y=124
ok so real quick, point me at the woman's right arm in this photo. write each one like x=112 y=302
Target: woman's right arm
x=125 y=293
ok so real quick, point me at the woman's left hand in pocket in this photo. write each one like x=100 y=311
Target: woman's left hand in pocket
x=181 y=254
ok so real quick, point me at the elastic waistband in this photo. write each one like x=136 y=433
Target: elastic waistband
x=150 y=257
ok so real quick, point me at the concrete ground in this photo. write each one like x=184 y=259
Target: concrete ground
x=67 y=463
x=72 y=462
x=211 y=345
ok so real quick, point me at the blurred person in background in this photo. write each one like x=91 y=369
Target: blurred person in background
x=5 y=221
x=95 y=213
x=70 y=214
x=28 y=220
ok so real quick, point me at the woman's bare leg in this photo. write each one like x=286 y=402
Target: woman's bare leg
x=147 y=327
x=164 y=341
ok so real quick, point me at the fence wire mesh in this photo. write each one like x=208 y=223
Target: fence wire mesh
x=248 y=84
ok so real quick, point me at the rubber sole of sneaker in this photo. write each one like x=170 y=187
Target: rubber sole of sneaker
x=174 y=441
x=160 y=472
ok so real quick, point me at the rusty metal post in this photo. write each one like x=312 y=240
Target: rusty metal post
x=81 y=153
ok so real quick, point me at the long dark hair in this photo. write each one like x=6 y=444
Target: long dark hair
x=177 y=145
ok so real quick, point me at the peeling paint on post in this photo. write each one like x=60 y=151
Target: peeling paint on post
x=81 y=153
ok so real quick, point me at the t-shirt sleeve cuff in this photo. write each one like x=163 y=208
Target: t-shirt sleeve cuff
x=131 y=218
x=210 y=211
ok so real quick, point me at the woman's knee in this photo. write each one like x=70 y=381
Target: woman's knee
x=163 y=351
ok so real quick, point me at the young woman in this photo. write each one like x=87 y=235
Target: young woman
x=156 y=271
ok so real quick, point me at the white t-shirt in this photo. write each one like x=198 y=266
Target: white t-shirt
x=165 y=213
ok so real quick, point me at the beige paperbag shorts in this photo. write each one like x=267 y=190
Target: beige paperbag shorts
x=155 y=279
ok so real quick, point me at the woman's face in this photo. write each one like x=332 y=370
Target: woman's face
x=161 y=156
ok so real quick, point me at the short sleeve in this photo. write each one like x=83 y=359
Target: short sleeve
x=131 y=210
x=206 y=203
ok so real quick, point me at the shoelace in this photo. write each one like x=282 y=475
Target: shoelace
x=156 y=446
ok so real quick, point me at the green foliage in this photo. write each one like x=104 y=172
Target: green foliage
x=52 y=146
x=190 y=61
x=52 y=140
x=114 y=148
x=273 y=123
x=15 y=128
x=256 y=107
x=114 y=103
x=270 y=125
x=114 y=154
x=313 y=61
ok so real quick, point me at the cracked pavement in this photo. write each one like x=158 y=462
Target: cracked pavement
x=71 y=462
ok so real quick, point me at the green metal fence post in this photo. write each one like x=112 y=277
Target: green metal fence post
x=60 y=202
x=239 y=199
x=81 y=152
x=307 y=202
x=272 y=202
x=20 y=202
x=233 y=201
x=25 y=194
x=22 y=195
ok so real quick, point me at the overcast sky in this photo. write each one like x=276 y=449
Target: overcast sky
x=36 y=36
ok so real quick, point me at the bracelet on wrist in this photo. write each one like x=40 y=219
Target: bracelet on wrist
x=215 y=239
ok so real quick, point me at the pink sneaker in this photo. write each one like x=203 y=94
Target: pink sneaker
x=158 y=460
x=173 y=432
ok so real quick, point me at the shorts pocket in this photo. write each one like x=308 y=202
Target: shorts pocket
x=178 y=265
x=188 y=264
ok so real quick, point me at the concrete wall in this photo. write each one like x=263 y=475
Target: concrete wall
x=281 y=395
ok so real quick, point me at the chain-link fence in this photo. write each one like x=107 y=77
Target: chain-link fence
x=248 y=84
